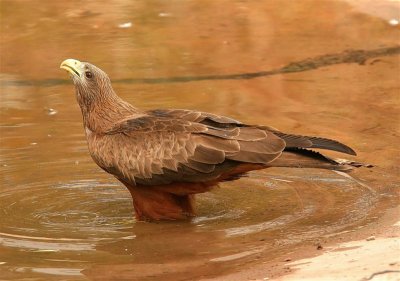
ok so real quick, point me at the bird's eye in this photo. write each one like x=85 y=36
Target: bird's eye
x=88 y=74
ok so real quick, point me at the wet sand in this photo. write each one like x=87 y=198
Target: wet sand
x=370 y=252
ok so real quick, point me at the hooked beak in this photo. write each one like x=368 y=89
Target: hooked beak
x=74 y=67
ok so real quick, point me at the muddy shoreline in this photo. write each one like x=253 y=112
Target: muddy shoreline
x=360 y=247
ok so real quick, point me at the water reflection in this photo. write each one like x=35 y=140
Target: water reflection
x=62 y=217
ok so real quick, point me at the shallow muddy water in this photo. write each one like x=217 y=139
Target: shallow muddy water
x=62 y=218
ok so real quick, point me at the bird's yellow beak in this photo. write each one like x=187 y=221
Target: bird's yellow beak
x=74 y=67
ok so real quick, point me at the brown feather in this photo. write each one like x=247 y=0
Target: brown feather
x=314 y=142
x=207 y=155
x=164 y=156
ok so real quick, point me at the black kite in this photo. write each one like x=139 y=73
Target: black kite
x=165 y=156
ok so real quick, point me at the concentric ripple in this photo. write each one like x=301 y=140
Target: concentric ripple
x=82 y=222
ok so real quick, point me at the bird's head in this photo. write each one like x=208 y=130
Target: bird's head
x=91 y=83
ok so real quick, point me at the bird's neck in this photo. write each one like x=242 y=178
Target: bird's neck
x=102 y=114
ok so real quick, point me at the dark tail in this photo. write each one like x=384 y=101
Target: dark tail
x=297 y=141
x=305 y=158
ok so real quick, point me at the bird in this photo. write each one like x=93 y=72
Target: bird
x=166 y=156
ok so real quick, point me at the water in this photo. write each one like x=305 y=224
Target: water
x=62 y=218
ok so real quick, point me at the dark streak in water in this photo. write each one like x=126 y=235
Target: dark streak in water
x=348 y=56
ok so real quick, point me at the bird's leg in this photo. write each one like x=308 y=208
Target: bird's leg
x=152 y=204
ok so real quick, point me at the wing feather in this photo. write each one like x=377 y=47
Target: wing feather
x=200 y=167
x=254 y=157
x=206 y=155
x=159 y=149
x=293 y=141
x=166 y=146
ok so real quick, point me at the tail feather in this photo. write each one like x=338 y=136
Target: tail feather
x=329 y=144
x=297 y=141
x=306 y=158
x=355 y=164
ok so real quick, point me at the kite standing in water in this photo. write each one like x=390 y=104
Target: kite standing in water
x=165 y=156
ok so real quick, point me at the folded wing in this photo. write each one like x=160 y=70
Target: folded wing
x=156 y=150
